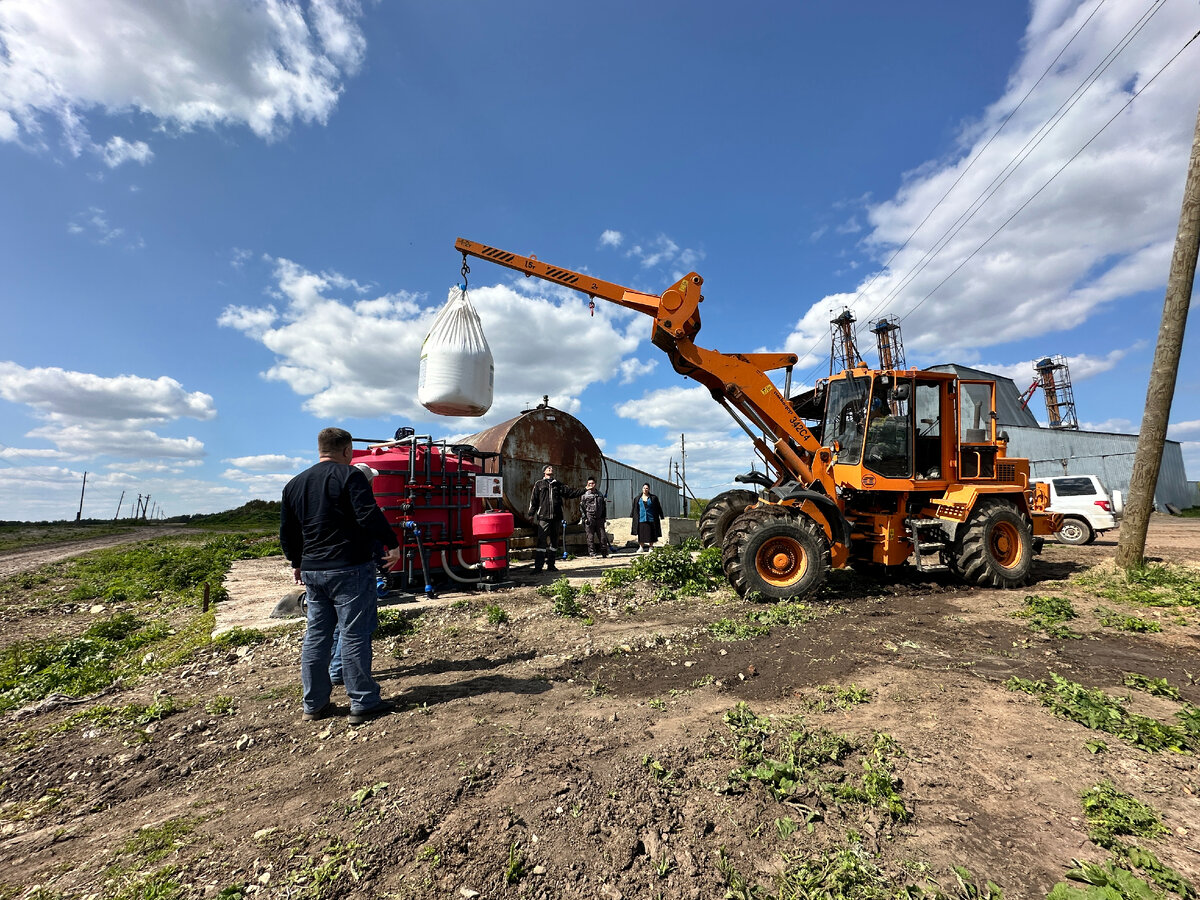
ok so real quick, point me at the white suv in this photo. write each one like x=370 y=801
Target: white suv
x=1086 y=506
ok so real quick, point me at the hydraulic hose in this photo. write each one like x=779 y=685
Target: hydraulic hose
x=460 y=579
x=411 y=526
x=470 y=567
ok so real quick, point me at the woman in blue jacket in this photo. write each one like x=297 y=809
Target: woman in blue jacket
x=646 y=514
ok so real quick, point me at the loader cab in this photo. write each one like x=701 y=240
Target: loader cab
x=890 y=426
x=976 y=402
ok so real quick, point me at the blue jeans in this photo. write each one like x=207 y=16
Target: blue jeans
x=345 y=600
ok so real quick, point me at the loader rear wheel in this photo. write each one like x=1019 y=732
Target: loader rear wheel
x=995 y=547
x=719 y=514
x=778 y=557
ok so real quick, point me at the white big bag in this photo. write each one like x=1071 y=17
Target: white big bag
x=456 y=364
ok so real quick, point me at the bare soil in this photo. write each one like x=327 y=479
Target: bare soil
x=545 y=757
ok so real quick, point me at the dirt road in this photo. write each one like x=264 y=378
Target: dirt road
x=13 y=562
x=550 y=757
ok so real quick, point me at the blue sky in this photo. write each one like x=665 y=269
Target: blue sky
x=229 y=224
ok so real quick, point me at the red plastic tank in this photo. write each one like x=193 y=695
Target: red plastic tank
x=422 y=482
x=493 y=529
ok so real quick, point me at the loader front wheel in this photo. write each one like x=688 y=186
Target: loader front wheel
x=719 y=514
x=777 y=558
x=995 y=547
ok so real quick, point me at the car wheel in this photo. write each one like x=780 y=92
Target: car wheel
x=1075 y=532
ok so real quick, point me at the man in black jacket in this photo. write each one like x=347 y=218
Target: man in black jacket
x=328 y=524
x=593 y=510
x=546 y=513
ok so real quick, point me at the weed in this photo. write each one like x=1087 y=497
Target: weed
x=566 y=602
x=1098 y=710
x=220 y=705
x=430 y=854
x=1047 y=614
x=1152 y=585
x=786 y=827
x=359 y=798
x=842 y=698
x=783 y=614
x=515 y=870
x=729 y=630
x=597 y=688
x=1156 y=687
x=232 y=892
x=159 y=886
x=394 y=623
x=238 y=637
x=1110 y=619
x=1113 y=881
x=496 y=614
x=879 y=787
x=664 y=866
x=152 y=844
x=132 y=714
x=1110 y=813
x=661 y=773
x=657 y=703
x=321 y=877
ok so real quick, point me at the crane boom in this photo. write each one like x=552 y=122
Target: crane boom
x=738 y=381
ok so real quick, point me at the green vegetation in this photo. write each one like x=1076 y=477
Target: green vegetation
x=496 y=614
x=167 y=571
x=1100 y=711
x=831 y=696
x=158 y=584
x=1110 y=619
x=566 y=597
x=396 y=623
x=255 y=514
x=1112 y=814
x=671 y=566
x=515 y=870
x=1153 y=585
x=238 y=637
x=18 y=535
x=1047 y=614
x=760 y=621
x=1156 y=687
x=149 y=845
x=131 y=715
x=221 y=705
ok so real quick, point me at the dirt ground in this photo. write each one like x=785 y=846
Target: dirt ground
x=550 y=757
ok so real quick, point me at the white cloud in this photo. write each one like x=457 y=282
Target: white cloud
x=665 y=253
x=1102 y=232
x=263 y=65
x=359 y=358
x=267 y=461
x=632 y=369
x=259 y=484
x=1115 y=425
x=118 y=150
x=1177 y=431
x=711 y=461
x=18 y=453
x=1082 y=366
x=691 y=410
x=94 y=223
x=610 y=238
x=62 y=393
x=86 y=415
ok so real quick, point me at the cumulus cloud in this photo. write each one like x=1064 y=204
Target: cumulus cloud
x=359 y=358
x=118 y=150
x=1081 y=366
x=660 y=252
x=265 y=462
x=680 y=409
x=262 y=65
x=1101 y=232
x=711 y=461
x=61 y=393
x=632 y=369
x=1178 y=431
x=86 y=415
x=610 y=238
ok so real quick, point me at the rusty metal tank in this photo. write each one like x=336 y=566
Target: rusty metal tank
x=530 y=441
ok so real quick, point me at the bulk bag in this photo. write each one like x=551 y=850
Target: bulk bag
x=456 y=373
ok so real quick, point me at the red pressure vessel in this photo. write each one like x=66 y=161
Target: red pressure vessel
x=493 y=529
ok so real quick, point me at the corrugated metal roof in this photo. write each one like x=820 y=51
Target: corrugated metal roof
x=1009 y=409
x=1068 y=452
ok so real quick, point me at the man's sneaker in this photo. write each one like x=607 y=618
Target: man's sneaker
x=321 y=713
x=366 y=715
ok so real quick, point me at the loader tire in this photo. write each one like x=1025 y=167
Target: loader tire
x=719 y=514
x=995 y=547
x=777 y=557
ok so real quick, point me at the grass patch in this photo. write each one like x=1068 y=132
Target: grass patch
x=394 y=623
x=672 y=567
x=131 y=715
x=16 y=535
x=730 y=630
x=1103 y=712
x=238 y=637
x=1110 y=619
x=1047 y=615
x=149 y=845
x=496 y=614
x=831 y=696
x=1152 y=585
x=760 y=621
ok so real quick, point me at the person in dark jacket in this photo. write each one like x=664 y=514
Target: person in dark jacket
x=546 y=513
x=593 y=509
x=646 y=514
x=328 y=523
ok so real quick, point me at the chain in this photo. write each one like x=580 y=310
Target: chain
x=464 y=271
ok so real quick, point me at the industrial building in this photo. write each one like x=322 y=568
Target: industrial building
x=1069 y=451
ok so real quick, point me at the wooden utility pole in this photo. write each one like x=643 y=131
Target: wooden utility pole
x=81 y=491
x=683 y=476
x=1131 y=547
x=119 y=502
